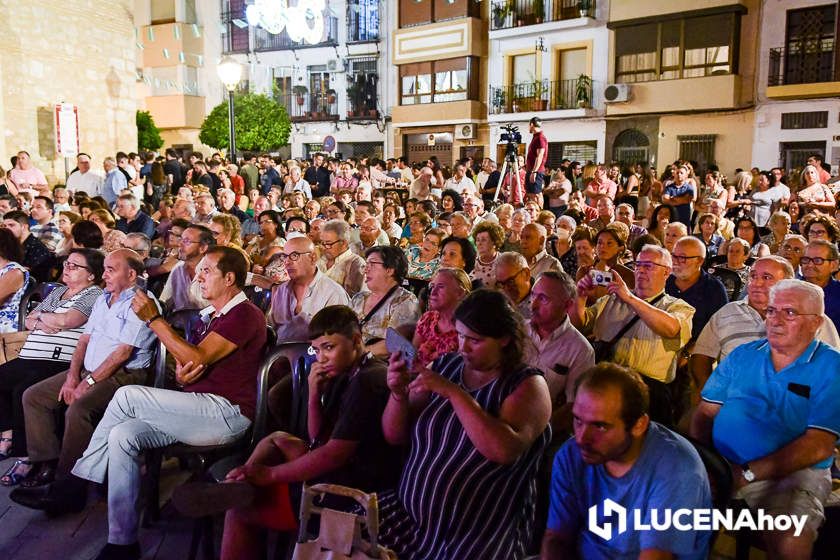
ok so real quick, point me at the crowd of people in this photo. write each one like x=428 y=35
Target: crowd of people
x=567 y=327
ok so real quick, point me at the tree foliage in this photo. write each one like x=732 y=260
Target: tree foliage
x=148 y=135
x=261 y=124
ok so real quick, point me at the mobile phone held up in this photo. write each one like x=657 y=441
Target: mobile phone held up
x=395 y=342
x=601 y=277
x=140 y=284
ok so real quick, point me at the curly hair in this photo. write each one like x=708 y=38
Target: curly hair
x=494 y=230
x=829 y=223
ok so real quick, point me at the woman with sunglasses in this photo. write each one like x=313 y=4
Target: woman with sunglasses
x=55 y=327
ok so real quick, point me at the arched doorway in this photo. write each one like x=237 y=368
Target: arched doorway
x=631 y=146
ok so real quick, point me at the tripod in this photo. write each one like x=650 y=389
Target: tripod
x=511 y=166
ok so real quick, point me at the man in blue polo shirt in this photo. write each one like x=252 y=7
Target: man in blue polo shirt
x=680 y=194
x=771 y=409
x=618 y=454
x=689 y=282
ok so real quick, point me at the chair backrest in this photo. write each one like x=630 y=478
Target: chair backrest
x=259 y=297
x=159 y=365
x=29 y=292
x=186 y=320
x=719 y=471
x=296 y=353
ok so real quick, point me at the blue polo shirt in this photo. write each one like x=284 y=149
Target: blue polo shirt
x=832 y=301
x=683 y=210
x=706 y=296
x=763 y=410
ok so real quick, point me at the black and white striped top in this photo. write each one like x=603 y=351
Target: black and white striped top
x=60 y=346
x=452 y=502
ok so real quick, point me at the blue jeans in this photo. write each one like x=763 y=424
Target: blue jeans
x=140 y=418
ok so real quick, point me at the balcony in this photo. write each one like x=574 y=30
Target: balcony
x=265 y=41
x=541 y=95
x=319 y=106
x=362 y=21
x=235 y=35
x=799 y=72
x=506 y=14
x=362 y=99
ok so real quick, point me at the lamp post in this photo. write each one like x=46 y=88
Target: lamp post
x=230 y=72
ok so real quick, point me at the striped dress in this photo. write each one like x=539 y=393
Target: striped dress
x=453 y=503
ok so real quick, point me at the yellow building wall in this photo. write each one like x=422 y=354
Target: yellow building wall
x=691 y=94
x=75 y=51
x=733 y=144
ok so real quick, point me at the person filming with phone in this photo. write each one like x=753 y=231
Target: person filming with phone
x=643 y=328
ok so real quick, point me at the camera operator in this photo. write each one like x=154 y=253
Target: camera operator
x=536 y=157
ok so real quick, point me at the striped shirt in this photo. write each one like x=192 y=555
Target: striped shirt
x=737 y=323
x=60 y=346
x=452 y=502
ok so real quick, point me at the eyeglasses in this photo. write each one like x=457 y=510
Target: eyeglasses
x=73 y=266
x=329 y=244
x=647 y=265
x=787 y=313
x=378 y=263
x=294 y=256
x=817 y=261
x=792 y=248
x=187 y=241
x=510 y=282
x=817 y=232
x=682 y=259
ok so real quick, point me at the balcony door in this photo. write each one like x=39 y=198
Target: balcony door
x=810 y=41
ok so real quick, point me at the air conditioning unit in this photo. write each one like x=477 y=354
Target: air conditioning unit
x=465 y=132
x=617 y=93
x=335 y=65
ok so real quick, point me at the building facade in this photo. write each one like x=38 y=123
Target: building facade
x=332 y=78
x=73 y=51
x=439 y=51
x=682 y=82
x=549 y=58
x=798 y=112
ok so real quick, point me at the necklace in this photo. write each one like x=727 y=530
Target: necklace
x=488 y=263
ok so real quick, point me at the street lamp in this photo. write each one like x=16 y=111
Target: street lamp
x=230 y=72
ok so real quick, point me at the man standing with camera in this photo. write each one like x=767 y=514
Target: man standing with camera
x=536 y=157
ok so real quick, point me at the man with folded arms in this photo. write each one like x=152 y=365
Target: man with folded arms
x=770 y=408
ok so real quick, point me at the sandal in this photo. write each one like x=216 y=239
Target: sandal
x=45 y=476
x=14 y=476
x=5 y=454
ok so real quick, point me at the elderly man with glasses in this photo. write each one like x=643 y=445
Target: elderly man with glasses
x=819 y=264
x=294 y=303
x=770 y=408
x=337 y=261
x=644 y=329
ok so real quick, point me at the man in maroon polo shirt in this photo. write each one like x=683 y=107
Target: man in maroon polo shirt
x=536 y=157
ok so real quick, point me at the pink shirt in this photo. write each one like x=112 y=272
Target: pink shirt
x=32 y=176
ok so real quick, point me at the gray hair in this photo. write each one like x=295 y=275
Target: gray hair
x=144 y=243
x=567 y=220
x=832 y=248
x=742 y=242
x=513 y=260
x=779 y=214
x=524 y=213
x=628 y=206
x=131 y=198
x=224 y=191
x=678 y=225
x=797 y=237
x=340 y=228
x=810 y=294
x=661 y=251
x=464 y=216
x=787 y=268
x=691 y=240
x=567 y=283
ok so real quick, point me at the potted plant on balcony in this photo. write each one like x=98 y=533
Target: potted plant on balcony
x=540 y=88
x=539 y=11
x=583 y=90
x=330 y=96
x=584 y=6
x=501 y=11
x=300 y=93
x=498 y=101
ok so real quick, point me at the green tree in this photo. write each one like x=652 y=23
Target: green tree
x=261 y=124
x=148 y=135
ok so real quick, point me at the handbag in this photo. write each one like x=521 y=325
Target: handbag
x=11 y=345
x=605 y=349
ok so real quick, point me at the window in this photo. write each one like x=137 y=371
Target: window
x=235 y=28
x=418 y=12
x=679 y=48
x=362 y=20
x=439 y=82
x=810 y=119
x=575 y=151
x=699 y=148
x=523 y=68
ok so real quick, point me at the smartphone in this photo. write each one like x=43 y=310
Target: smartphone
x=600 y=277
x=140 y=284
x=395 y=342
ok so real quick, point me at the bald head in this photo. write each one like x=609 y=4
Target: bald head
x=300 y=260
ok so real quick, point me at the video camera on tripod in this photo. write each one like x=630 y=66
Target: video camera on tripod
x=512 y=137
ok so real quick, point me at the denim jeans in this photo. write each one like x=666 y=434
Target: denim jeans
x=140 y=418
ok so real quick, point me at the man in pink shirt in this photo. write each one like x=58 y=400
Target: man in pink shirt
x=26 y=176
x=600 y=186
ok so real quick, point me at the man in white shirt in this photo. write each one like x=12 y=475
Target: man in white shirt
x=83 y=179
x=296 y=183
x=459 y=182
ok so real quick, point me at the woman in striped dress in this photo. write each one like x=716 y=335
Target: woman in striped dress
x=477 y=425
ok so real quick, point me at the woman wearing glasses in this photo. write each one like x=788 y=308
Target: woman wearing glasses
x=55 y=327
x=268 y=243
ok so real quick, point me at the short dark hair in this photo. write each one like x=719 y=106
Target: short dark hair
x=334 y=319
x=635 y=399
x=205 y=236
x=367 y=204
x=231 y=260
x=301 y=219
x=429 y=207
x=95 y=260
x=490 y=313
x=10 y=247
x=181 y=223
x=87 y=234
x=467 y=251
x=12 y=200
x=273 y=216
x=18 y=216
x=393 y=258
x=47 y=202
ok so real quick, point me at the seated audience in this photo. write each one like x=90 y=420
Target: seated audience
x=14 y=279
x=337 y=261
x=435 y=332
x=36 y=256
x=182 y=290
x=819 y=264
x=489 y=238
x=513 y=278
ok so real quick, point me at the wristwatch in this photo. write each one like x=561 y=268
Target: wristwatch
x=749 y=476
x=90 y=380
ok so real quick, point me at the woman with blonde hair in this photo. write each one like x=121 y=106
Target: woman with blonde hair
x=814 y=195
x=226 y=229
x=435 y=334
x=112 y=239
